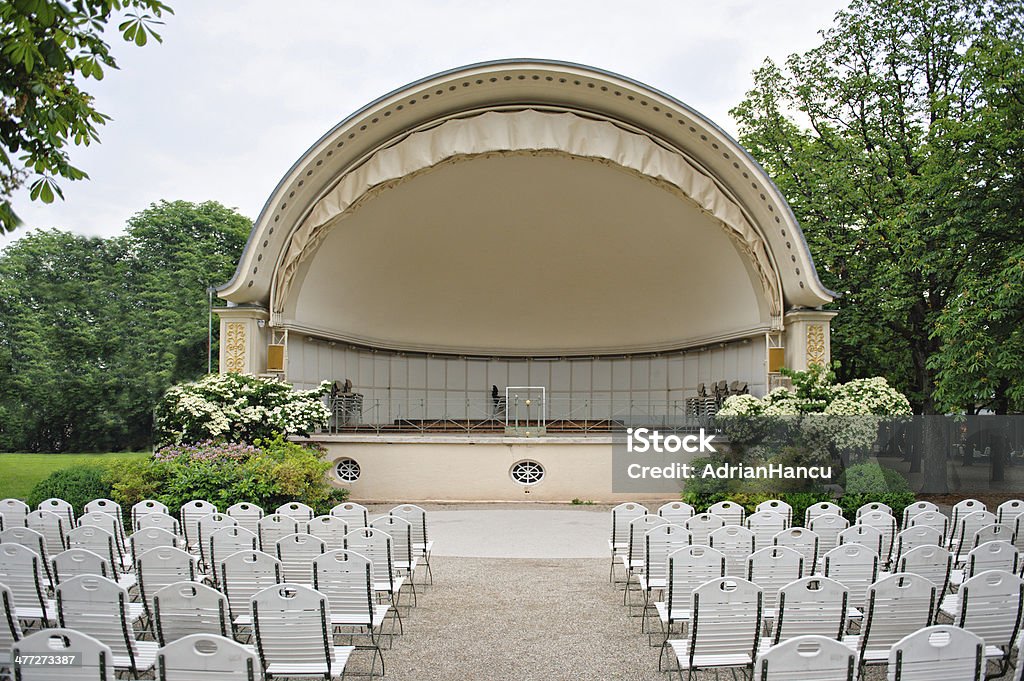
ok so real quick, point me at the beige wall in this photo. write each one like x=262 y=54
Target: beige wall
x=456 y=469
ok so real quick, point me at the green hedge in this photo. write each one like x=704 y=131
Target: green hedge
x=77 y=486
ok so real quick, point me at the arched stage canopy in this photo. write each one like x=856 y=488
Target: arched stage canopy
x=526 y=208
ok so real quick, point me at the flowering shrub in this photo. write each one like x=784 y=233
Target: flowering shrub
x=238 y=408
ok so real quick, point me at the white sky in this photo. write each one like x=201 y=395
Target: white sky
x=239 y=90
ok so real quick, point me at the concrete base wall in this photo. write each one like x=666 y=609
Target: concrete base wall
x=453 y=468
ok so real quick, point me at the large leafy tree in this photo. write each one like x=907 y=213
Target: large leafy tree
x=47 y=49
x=93 y=331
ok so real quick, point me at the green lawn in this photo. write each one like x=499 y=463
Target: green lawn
x=19 y=473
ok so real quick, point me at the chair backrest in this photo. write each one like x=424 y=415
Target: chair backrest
x=726 y=618
x=162 y=521
x=10 y=627
x=292 y=626
x=931 y=562
x=1018 y=532
x=190 y=513
x=827 y=526
x=811 y=605
x=772 y=568
x=355 y=515
x=14 y=512
x=145 y=507
x=109 y=522
x=149 y=538
x=821 y=508
x=273 y=527
x=913 y=509
x=103 y=506
x=417 y=517
x=244 y=574
x=993 y=555
x=866 y=535
x=74 y=562
x=780 y=507
x=807 y=658
x=914 y=536
x=376 y=546
x=676 y=512
x=400 y=530
x=622 y=515
x=206 y=657
x=247 y=515
x=224 y=542
x=802 y=540
x=32 y=540
x=21 y=570
x=98 y=607
x=346 y=578
x=729 y=511
x=938 y=652
x=737 y=543
x=659 y=542
x=52 y=526
x=962 y=508
x=99 y=541
x=1009 y=510
x=702 y=525
x=638 y=527
x=934 y=519
x=62 y=508
x=688 y=568
x=855 y=566
x=990 y=606
x=871 y=507
x=186 y=608
x=765 y=525
x=964 y=530
x=160 y=566
x=885 y=523
x=898 y=605
x=993 y=532
x=332 y=530
x=207 y=525
x=297 y=510
x=296 y=553
x=96 y=660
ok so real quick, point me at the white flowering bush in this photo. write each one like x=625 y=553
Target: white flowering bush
x=238 y=408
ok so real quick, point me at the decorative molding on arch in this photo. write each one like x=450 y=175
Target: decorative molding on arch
x=527 y=132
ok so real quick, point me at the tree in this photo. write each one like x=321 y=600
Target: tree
x=48 y=47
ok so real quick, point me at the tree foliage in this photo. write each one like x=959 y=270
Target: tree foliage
x=897 y=141
x=47 y=48
x=93 y=331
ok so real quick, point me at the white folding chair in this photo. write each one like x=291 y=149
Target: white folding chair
x=688 y=568
x=205 y=657
x=376 y=546
x=632 y=558
x=780 y=507
x=151 y=537
x=242 y=576
x=98 y=607
x=990 y=605
x=145 y=507
x=226 y=541
x=963 y=533
x=886 y=526
x=804 y=542
x=865 y=535
x=62 y=508
x=190 y=513
x=659 y=543
x=296 y=553
x=30 y=539
x=806 y=658
x=1008 y=511
x=961 y=509
x=346 y=579
x=993 y=555
x=726 y=624
x=765 y=525
x=855 y=566
x=873 y=507
x=247 y=515
x=994 y=532
x=772 y=568
x=827 y=526
x=737 y=543
x=676 y=512
x=912 y=537
x=898 y=605
x=207 y=525
x=405 y=558
x=354 y=515
x=329 y=528
x=421 y=542
x=810 y=606
x=917 y=507
x=160 y=566
x=297 y=510
x=293 y=634
x=102 y=543
x=161 y=521
x=729 y=511
x=74 y=562
x=937 y=652
x=185 y=608
x=10 y=628
x=934 y=519
x=103 y=506
x=273 y=528
x=21 y=571
x=52 y=526
x=931 y=562
x=821 y=508
x=618 y=544
x=112 y=524
x=96 y=661
x=14 y=512
x=702 y=525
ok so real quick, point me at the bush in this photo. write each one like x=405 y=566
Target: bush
x=78 y=486
x=868 y=482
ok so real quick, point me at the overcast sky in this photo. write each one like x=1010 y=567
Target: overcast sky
x=239 y=90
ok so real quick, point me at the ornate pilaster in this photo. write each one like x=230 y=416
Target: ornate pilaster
x=243 y=340
x=808 y=338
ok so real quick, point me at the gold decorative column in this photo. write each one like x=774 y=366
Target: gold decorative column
x=243 y=340
x=808 y=338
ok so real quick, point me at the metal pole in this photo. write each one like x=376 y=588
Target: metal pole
x=209 y=330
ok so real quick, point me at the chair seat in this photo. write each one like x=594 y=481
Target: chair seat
x=127 y=581
x=387 y=588
x=678 y=614
x=681 y=647
x=342 y=619
x=36 y=613
x=950 y=605
x=145 y=656
x=635 y=564
x=652 y=584
x=341 y=655
x=423 y=548
x=404 y=566
x=618 y=546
